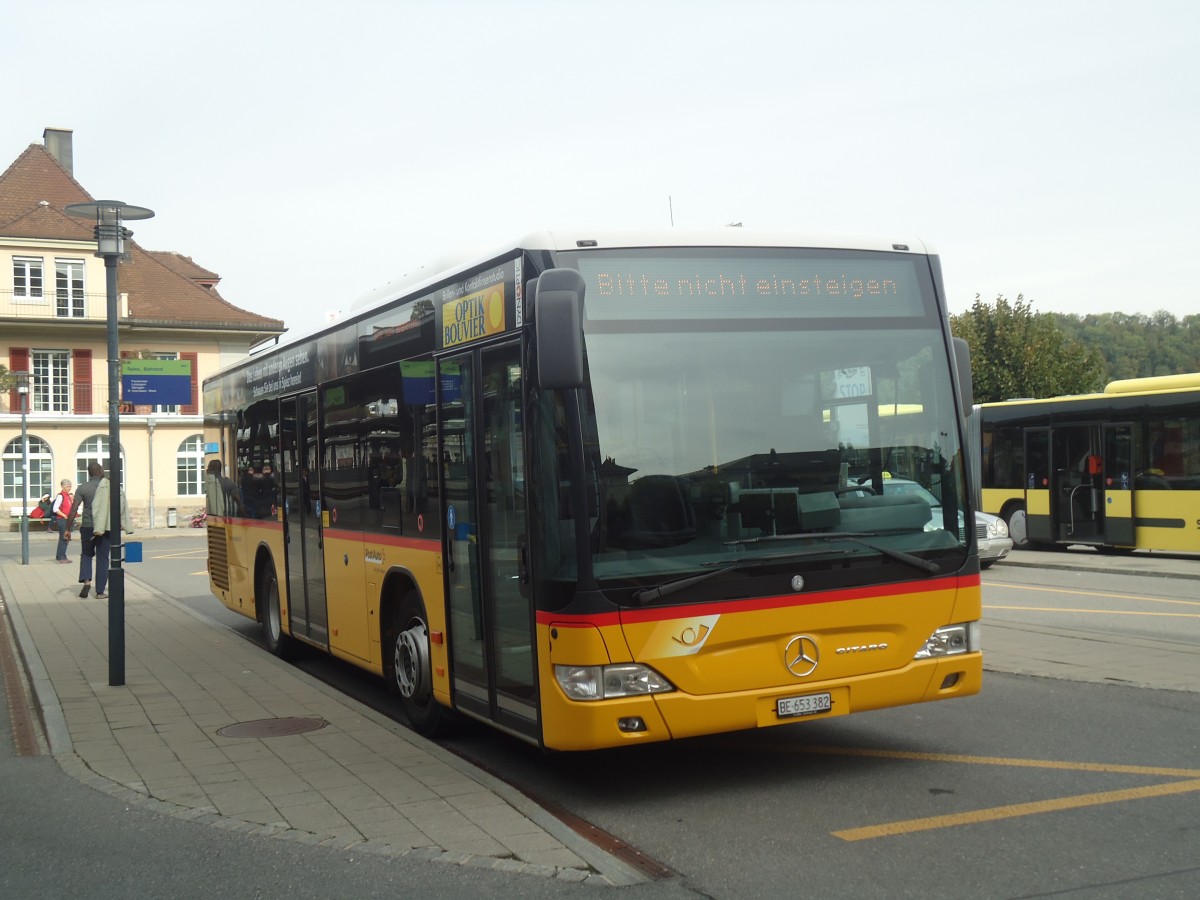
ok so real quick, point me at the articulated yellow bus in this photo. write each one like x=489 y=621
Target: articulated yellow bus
x=602 y=489
x=1118 y=470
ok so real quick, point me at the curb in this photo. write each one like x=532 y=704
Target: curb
x=603 y=868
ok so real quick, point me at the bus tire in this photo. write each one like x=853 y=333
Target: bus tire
x=1018 y=527
x=407 y=664
x=276 y=641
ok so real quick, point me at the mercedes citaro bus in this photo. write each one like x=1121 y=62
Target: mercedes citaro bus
x=598 y=489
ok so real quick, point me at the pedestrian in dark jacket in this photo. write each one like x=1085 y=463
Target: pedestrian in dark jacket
x=81 y=509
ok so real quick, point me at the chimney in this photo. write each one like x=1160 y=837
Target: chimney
x=58 y=142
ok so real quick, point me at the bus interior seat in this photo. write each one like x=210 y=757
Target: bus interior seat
x=1148 y=481
x=659 y=513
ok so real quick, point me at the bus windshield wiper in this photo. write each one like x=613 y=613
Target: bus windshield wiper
x=647 y=595
x=857 y=537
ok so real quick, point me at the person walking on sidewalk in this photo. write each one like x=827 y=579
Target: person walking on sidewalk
x=102 y=537
x=81 y=509
x=61 y=510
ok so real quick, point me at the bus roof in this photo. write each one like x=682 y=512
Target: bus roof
x=581 y=240
x=1160 y=384
x=573 y=239
x=1155 y=383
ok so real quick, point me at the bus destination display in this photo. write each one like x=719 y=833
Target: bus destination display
x=645 y=288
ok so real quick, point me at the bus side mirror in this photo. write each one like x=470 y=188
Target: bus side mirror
x=966 y=386
x=558 y=319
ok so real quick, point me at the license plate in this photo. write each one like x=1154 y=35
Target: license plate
x=807 y=705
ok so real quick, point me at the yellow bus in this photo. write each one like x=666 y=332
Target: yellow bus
x=598 y=489
x=1117 y=470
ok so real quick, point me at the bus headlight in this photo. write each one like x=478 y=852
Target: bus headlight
x=951 y=640
x=606 y=682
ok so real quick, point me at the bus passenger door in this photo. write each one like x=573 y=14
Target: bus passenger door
x=1038 y=514
x=483 y=472
x=307 y=613
x=1117 y=487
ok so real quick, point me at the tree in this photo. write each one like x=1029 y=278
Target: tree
x=1018 y=353
x=1136 y=345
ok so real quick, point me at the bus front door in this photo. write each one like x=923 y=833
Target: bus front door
x=1117 y=484
x=490 y=617
x=1038 y=513
x=308 y=615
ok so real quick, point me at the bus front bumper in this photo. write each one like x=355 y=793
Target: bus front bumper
x=573 y=725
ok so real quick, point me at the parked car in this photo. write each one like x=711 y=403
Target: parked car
x=992 y=534
x=991 y=531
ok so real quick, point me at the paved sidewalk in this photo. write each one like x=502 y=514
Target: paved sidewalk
x=359 y=781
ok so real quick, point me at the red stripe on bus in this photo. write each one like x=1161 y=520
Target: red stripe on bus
x=426 y=544
x=755 y=604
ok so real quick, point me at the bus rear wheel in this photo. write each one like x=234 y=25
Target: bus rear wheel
x=1018 y=528
x=407 y=666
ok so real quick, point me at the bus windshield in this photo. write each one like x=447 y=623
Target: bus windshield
x=775 y=424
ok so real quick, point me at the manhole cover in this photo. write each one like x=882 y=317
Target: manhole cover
x=265 y=728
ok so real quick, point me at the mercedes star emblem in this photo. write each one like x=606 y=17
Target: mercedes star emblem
x=801 y=655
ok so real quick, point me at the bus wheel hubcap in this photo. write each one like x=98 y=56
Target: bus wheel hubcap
x=412 y=660
x=274 y=619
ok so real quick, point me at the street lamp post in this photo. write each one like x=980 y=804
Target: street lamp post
x=22 y=379
x=110 y=246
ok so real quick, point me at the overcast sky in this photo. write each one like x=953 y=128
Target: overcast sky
x=312 y=152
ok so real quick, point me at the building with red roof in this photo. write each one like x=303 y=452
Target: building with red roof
x=54 y=325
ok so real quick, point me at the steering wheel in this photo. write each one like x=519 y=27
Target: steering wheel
x=855 y=488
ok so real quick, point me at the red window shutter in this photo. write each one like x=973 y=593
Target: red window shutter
x=18 y=361
x=192 y=408
x=81 y=369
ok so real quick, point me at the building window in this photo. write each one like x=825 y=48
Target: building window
x=41 y=464
x=27 y=277
x=189 y=467
x=95 y=449
x=68 y=276
x=51 y=380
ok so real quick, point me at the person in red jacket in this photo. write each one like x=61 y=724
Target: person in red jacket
x=61 y=511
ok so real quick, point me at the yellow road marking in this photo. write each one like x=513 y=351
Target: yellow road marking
x=1042 y=590
x=1017 y=809
x=1105 y=612
x=1011 y=762
x=1191 y=785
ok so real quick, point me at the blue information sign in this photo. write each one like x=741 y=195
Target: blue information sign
x=157 y=382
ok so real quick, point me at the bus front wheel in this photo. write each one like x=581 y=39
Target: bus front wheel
x=277 y=642
x=408 y=668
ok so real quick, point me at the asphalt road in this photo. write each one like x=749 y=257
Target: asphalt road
x=1038 y=786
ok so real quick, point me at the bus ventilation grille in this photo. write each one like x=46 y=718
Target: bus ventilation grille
x=218 y=556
